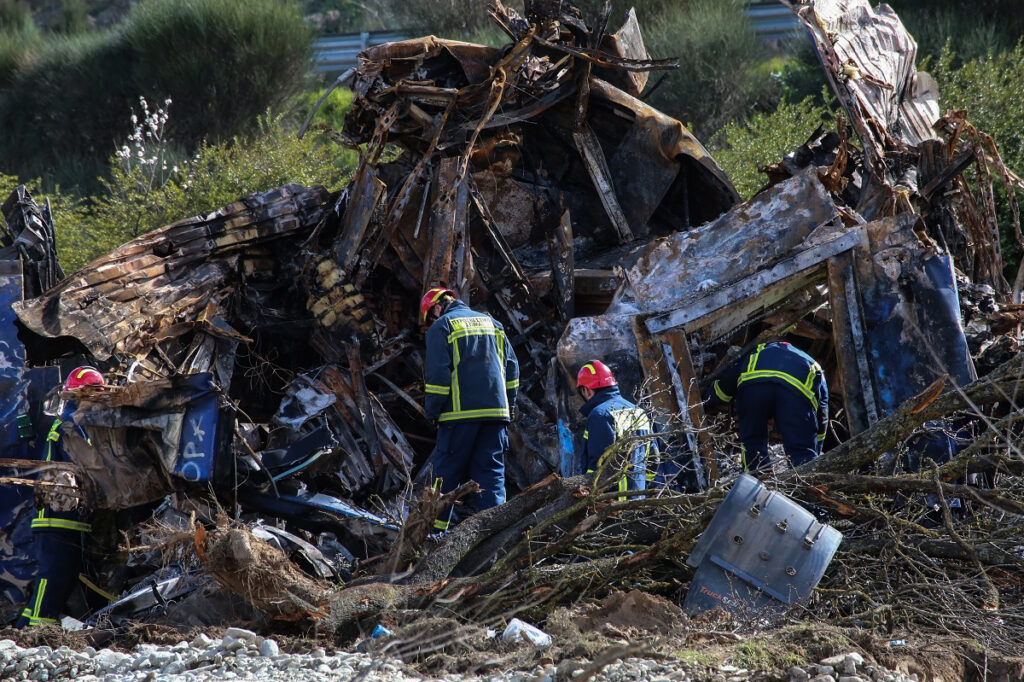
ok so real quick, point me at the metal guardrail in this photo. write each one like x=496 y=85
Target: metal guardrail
x=334 y=54
x=337 y=53
x=772 y=21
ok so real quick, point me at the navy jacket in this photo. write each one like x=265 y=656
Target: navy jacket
x=781 y=363
x=610 y=417
x=46 y=519
x=471 y=371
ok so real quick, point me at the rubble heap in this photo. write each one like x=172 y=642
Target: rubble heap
x=269 y=352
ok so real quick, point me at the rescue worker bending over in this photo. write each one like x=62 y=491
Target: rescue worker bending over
x=471 y=381
x=609 y=418
x=776 y=381
x=58 y=536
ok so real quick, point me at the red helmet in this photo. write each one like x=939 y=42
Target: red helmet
x=594 y=375
x=431 y=298
x=82 y=376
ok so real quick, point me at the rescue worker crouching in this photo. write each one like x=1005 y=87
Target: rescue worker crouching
x=610 y=417
x=58 y=537
x=471 y=380
x=775 y=381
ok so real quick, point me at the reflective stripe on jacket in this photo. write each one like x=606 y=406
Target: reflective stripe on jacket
x=471 y=372
x=46 y=519
x=781 y=363
x=609 y=418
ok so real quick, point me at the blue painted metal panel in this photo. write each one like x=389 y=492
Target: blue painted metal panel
x=23 y=429
x=914 y=332
x=200 y=436
x=13 y=394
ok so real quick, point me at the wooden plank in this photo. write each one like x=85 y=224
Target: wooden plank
x=751 y=286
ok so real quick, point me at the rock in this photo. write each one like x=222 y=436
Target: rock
x=798 y=674
x=824 y=670
x=823 y=678
x=107 y=660
x=7 y=644
x=236 y=638
x=851 y=678
x=834 y=661
x=201 y=641
x=269 y=648
x=857 y=659
x=159 y=659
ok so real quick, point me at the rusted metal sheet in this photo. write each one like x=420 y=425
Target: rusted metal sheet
x=597 y=167
x=813 y=257
x=116 y=303
x=869 y=58
x=562 y=267
x=626 y=43
x=668 y=273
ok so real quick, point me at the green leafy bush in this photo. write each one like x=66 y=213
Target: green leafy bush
x=18 y=38
x=719 y=55
x=73 y=17
x=973 y=29
x=224 y=63
x=333 y=110
x=989 y=88
x=148 y=188
x=765 y=138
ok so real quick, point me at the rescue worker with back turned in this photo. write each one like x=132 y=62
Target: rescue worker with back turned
x=609 y=418
x=58 y=537
x=777 y=381
x=471 y=380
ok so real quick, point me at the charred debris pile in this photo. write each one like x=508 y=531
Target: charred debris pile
x=265 y=363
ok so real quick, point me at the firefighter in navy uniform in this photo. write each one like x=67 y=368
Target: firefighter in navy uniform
x=780 y=382
x=609 y=418
x=471 y=380
x=58 y=537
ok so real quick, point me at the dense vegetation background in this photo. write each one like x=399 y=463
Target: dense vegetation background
x=133 y=113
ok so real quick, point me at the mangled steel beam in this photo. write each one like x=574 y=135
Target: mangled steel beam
x=124 y=300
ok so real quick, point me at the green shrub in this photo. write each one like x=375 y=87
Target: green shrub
x=223 y=62
x=140 y=197
x=973 y=29
x=63 y=105
x=765 y=138
x=719 y=53
x=73 y=17
x=18 y=38
x=989 y=89
x=331 y=113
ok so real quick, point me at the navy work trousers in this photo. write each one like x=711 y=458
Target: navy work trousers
x=58 y=560
x=795 y=420
x=470 y=451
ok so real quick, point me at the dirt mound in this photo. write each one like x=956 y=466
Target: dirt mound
x=635 y=609
x=52 y=636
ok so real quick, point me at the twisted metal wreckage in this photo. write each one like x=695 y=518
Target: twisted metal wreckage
x=267 y=359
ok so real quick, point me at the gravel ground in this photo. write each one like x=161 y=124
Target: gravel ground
x=243 y=655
